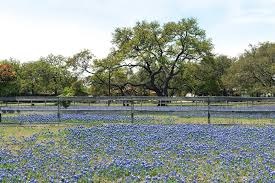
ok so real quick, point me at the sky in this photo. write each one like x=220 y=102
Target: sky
x=30 y=29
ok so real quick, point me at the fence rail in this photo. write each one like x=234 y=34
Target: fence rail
x=208 y=108
x=135 y=98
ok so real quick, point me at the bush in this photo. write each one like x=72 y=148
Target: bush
x=66 y=103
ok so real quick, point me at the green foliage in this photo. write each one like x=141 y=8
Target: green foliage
x=66 y=103
x=81 y=62
x=174 y=58
x=252 y=73
x=210 y=74
x=159 y=52
x=76 y=89
x=109 y=75
x=67 y=92
x=187 y=81
x=203 y=78
x=8 y=89
x=48 y=76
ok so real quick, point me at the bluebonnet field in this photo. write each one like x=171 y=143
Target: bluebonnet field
x=72 y=117
x=142 y=153
x=46 y=118
x=78 y=117
x=48 y=114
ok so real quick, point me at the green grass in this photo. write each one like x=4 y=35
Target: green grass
x=48 y=131
x=164 y=118
x=230 y=121
x=156 y=118
x=24 y=131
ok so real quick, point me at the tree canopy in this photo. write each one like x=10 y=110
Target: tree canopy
x=252 y=73
x=159 y=52
x=149 y=58
x=9 y=77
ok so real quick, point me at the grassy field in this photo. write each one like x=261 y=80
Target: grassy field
x=157 y=147
x=137 y=153
x=141 y=117
x=24 y=131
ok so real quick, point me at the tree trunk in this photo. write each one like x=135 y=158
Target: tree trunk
x=55 y=92
x=164 y=93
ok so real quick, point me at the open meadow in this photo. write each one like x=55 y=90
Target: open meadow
x=124 y=152
x=101 y=91
x=140 y=142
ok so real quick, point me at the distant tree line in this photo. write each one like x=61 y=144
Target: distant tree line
x=171 y=59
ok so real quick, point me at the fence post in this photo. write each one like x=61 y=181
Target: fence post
x=132 y=111
x=0 y=114
x=58 y=109
x=208 y=111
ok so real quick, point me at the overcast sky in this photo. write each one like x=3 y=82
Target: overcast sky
x=30 y=29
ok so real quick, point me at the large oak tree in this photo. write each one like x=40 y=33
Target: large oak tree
x=157 y=53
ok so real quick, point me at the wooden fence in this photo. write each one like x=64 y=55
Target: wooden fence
x=210 y=106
